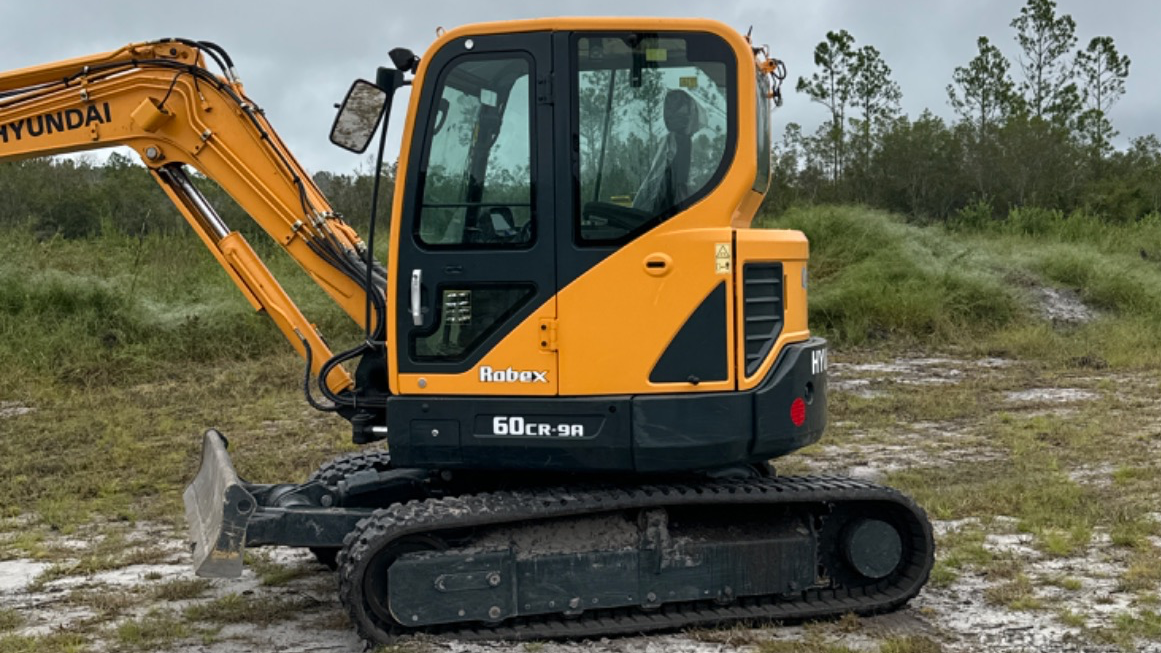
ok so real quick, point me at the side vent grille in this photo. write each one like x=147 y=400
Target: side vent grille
x=762 y=312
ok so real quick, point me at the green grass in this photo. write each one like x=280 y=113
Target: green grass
x=127 y=349
x=874 y=278
x=10 y=620
x=238 y=609
x=58 y=642
x=1071 y=619
x=1129 y=629
x=272 y=573
x=181 y=589
x=1015 y=594
x=1144 y=571
x=152 y=631
x=118 y=310
x=879 y=281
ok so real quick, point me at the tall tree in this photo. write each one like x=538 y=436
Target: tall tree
x=982 y=91
x=1103 y=72
x=832 y=87
x=1045 y=41
x=876 y=97
x=875 y=94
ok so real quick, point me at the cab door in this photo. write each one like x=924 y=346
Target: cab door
x=476 y=267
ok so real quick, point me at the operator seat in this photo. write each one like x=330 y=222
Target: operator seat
x=667 y=182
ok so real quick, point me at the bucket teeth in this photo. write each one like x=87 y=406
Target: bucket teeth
x=218 y=509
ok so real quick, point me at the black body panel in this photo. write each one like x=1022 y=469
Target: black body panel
x=700 y=351
x=647 y=433
x=473 y=443
x=799 y=372
x=761 y=312
x=681 y=432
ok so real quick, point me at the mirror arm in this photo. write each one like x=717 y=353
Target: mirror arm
x=378 y=336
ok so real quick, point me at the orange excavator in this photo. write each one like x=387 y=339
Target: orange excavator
x=579 y=354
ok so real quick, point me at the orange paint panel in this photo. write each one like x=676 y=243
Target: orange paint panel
x=791 y=249
x=617 y=319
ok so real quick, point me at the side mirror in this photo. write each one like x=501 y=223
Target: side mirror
x=359 y=116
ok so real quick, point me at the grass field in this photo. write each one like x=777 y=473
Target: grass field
x=118 y=352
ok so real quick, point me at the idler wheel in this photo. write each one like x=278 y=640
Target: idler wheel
x=873 y=548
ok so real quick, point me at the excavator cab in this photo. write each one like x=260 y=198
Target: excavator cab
x=575 y=285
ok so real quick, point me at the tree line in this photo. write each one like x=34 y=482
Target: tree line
x=1034 y=134
x=77 y=198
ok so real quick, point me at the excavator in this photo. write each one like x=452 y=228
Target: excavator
x=578 y=359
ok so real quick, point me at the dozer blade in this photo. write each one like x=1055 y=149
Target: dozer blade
x=218 y=509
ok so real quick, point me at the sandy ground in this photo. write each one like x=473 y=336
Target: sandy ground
x=956 y=616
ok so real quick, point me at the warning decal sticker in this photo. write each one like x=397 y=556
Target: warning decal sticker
x=722 y=258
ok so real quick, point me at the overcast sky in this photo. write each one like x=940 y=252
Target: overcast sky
x=297 y=57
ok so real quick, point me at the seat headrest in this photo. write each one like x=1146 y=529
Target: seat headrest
x=683 y=115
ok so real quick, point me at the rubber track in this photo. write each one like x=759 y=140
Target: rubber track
x=337 y=469
x=433 y=515
x=344 y=465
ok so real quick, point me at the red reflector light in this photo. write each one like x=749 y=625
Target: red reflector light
x=798 y=412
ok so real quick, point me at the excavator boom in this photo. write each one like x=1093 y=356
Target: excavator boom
x=159 y=99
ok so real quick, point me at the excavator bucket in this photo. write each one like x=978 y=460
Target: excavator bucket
x=218 y=509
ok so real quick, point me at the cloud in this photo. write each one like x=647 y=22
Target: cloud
x=297 y=57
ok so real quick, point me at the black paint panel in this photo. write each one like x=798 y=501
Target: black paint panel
x=700 y=350
x=606 y=446
x=700 y=431
x=761 y=311
x=792 y=377
x=647 y=433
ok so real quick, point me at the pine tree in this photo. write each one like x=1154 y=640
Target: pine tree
x=876 y=97
x=1045 y=40
x=832 y=86
x=1103 y=72
x=983 y=92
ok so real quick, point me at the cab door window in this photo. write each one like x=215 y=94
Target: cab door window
x=477 y=175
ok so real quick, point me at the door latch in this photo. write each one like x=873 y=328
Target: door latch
x=416 y=300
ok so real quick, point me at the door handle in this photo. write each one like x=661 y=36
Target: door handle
x=416 y=300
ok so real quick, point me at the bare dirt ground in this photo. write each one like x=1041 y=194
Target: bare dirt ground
x=1000 y=585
